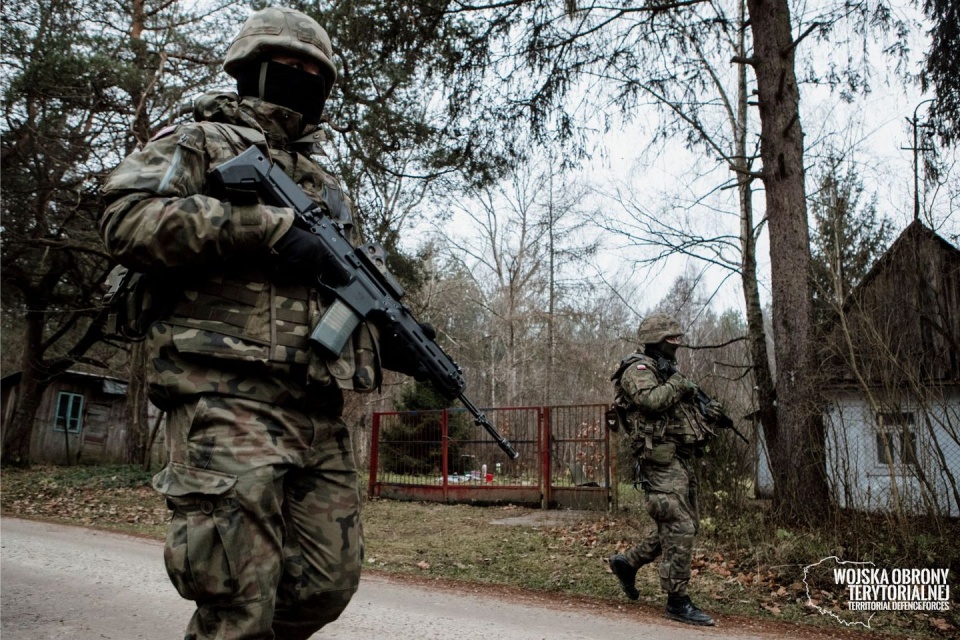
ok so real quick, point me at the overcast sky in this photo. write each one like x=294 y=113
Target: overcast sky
x=871 y=128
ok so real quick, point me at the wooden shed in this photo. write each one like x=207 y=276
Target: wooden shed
x=82 y=417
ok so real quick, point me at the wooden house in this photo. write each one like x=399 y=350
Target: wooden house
x=82 y=417
x=890 y=384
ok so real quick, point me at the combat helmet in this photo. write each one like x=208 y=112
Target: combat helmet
x=281 y=30
x=657 y=326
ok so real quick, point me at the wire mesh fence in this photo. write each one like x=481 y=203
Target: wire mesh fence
x=890 y=453
x=444 y=455
x=415 y=447
x=903 y=457
x=579 y=446
x=881 y=457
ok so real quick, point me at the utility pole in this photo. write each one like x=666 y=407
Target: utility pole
x=916 y=148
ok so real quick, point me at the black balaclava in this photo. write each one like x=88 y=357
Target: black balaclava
x=286 y=86
x=662 y=348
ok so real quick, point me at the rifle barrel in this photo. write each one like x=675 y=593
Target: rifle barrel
x=481 y=420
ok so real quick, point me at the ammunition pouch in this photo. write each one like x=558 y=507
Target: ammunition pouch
x=612 y=419
x=135 y=302
x=660 y=455
x=616 y=418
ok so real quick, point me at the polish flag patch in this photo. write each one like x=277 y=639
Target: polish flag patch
x=641 y=367
x=164 y=132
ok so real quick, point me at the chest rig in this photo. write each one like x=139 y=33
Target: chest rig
x=676 y=424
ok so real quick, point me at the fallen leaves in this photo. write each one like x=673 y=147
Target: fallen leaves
x=940 y=624
x=415 y=539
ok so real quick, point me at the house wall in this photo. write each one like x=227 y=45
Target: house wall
x=100 y=412
x=898 y=341
x=860 y=481
x=8 y=402
x=763 y=483
x=103 y=434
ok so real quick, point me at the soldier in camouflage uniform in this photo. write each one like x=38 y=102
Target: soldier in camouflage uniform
x=265 y=533
x=667 y=434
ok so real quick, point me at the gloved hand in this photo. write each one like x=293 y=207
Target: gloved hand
x=713 y=410
x=301 y=257
x=685 y=386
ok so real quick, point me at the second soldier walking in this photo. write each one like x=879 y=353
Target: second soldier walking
x=667 y=435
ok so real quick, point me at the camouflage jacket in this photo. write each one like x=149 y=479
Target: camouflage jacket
x=226 y=327
x=655 y=404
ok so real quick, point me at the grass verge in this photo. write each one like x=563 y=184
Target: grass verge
x=743 y=566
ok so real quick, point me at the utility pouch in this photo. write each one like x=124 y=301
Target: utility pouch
x=133 y=302
x=616 y=418
x=660 y=455
x=612 y=419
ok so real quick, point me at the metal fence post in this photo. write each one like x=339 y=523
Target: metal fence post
x=546 y=439
x=374 y=454
x=444 y=452
x=613 y=477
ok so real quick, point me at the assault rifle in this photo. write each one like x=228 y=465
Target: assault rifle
x=701 y=400
x=371 y=291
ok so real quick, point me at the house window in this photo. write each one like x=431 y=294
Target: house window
x=896 y=440
x=69 y=412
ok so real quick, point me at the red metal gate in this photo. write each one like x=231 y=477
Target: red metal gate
x=578 y=464
x=443 y=456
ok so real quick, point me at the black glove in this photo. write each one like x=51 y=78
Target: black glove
x=303 y=258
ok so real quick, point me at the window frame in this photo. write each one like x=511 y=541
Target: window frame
x=896 y=430
x=64 y=417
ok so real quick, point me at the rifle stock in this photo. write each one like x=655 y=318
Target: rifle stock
x=371 y=293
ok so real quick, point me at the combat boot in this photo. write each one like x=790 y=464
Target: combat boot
x=626 y=574
x=681 y=609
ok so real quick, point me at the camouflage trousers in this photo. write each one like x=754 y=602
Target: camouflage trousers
x=672 y=503
x=265 y=532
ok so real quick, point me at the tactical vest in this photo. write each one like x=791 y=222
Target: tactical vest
x=234 y=313
x=679 y=425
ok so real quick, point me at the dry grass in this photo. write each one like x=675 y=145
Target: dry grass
x=742 y=568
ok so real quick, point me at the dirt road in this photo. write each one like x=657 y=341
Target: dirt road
x=70 y=583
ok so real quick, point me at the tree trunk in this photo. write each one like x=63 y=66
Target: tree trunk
x=796 y=444
x=33 y=382
x=756 y=333
x=137 y=403
x=766 y=395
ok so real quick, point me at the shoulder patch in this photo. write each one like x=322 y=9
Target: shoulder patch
x=641 y=366
x=164 y=132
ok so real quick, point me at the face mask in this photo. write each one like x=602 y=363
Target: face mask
x=667 y=350
x=286 y=86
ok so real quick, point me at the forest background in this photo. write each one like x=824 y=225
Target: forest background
x=543 y=174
